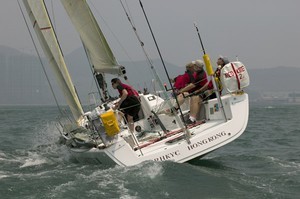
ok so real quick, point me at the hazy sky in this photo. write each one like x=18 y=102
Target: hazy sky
x=263 y=33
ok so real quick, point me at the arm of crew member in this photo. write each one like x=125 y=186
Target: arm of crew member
x=187 y=88
x=203 y=88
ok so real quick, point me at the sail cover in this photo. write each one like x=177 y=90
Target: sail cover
x=98 y=50
x=42 y=25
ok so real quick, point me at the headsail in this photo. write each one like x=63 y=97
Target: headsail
x=42 y=25
x=97 y=48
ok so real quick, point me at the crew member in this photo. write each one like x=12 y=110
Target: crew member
x=129 y=102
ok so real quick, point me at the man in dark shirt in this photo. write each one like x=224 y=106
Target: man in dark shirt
x=129 y=102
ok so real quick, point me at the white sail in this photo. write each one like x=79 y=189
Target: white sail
x=42 y=25
x=97 y=48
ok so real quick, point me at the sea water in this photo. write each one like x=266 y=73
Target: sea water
x=263 y=163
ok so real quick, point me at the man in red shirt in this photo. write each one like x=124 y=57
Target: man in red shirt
x=199 y=82
x=203 y=87
x=129 y=102
x=183 y=89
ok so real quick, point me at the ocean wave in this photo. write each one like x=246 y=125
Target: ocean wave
x=46 y=135
x=269 y=107
x=149 y=170
x=3 y=156
x=33 y=159
x=284 y=163
x=3 y=174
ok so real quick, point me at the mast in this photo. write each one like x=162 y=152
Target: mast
x=211 y=73
x=39 y=18
x=98 y=51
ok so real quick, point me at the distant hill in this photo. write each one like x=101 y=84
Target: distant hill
x=283 y=79
x=8 y=51
x=22 y=80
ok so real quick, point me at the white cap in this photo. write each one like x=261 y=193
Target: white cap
x=199 y=63
x=225 y=59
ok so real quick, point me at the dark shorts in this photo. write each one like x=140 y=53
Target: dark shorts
x=131 y=106
x=205 y=97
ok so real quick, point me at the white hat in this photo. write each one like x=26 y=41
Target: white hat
x=199 y=63
x=225 y=59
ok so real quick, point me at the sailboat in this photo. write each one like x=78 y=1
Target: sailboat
x=104 y=135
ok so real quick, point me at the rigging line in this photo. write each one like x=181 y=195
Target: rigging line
x=40 y=59
x=53 y=15
x=184 y=127
x=93 y=72
x=150 y=62
x=159 y=53
x=162 y=60
x=129 y=12
x=113 y=34
x=103 y=38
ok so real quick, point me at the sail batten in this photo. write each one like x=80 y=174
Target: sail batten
x=99 y=52
x=42 y=25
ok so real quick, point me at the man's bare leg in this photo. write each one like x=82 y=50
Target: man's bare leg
x=194 y=107
x=130 y=123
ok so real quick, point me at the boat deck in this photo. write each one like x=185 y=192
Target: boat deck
x=177 y=135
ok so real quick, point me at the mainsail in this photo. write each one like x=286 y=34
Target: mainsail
x=42 y=25
x=98 y=50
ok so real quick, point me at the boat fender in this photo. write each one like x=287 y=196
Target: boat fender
x=234 y=77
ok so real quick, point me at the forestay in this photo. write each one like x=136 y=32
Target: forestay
x=97 y=48
x=42 y=25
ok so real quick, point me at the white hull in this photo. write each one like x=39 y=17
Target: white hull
x=207 y=137
x=163 y=137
